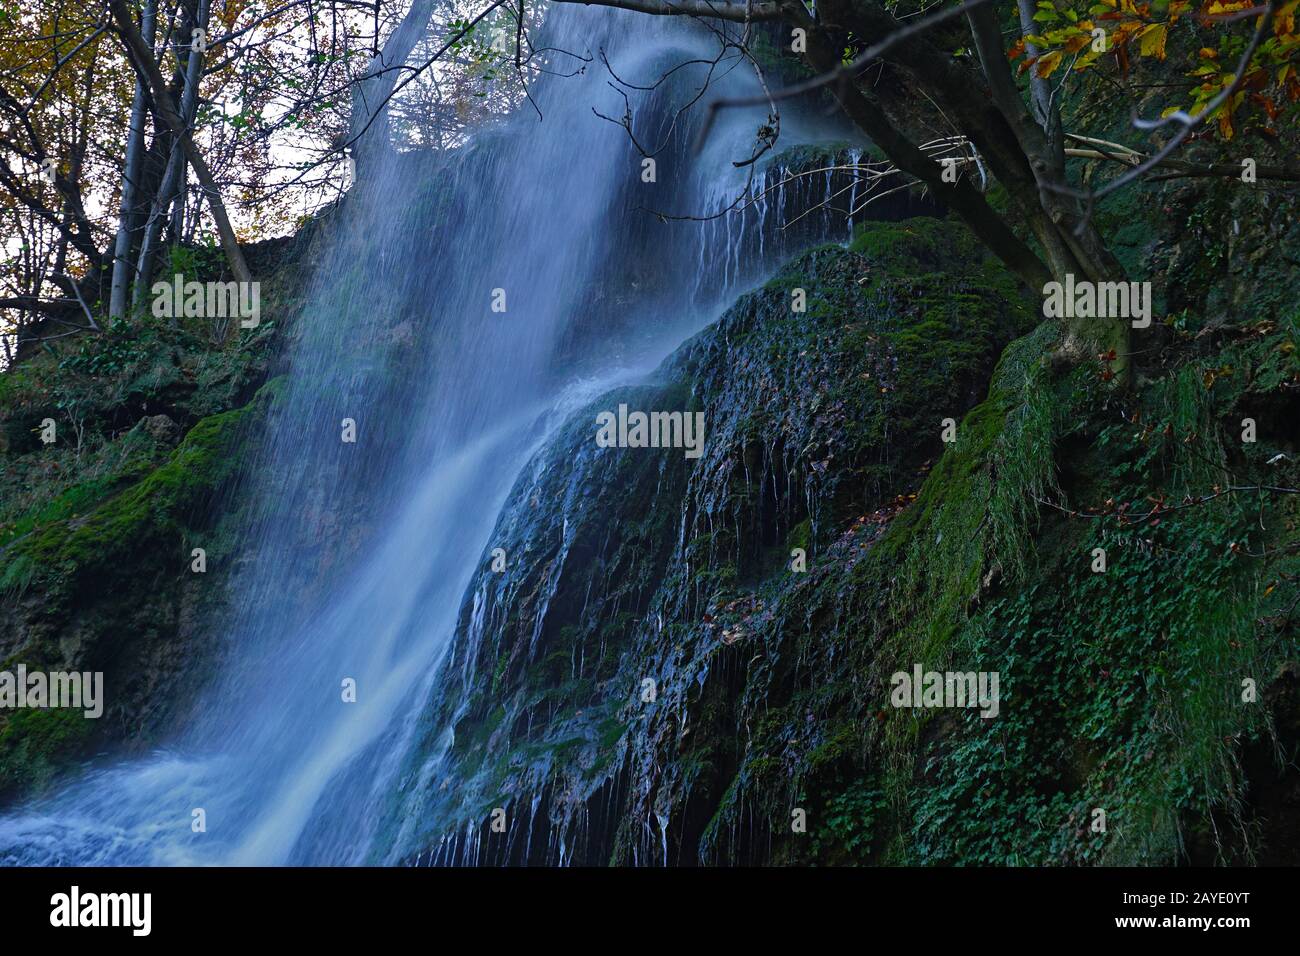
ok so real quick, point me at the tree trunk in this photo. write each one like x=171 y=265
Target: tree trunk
x=172 y=187
x=1073 y=245
x=368 y=126
x=131 y=177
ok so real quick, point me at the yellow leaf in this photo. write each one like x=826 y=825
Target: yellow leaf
x=1225 y=123
x=1047 y=63
x=1087 y=60
x=1152 y=40
x=1221 y=8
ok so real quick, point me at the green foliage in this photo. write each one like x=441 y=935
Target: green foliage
x=34 y=741
x=847 y=829
x=147 y=514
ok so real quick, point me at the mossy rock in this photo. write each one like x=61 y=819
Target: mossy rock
x=101 y=582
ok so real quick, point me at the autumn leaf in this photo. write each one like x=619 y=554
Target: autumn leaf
x=1151 y=40
x=1225 y=125
x=1266 y=104
x=1087 y=60
x=1226 y=129
x=1218 y=8
x=1284 y=19
x=1047 y=63
x=1077 y=43
x=1125 y=32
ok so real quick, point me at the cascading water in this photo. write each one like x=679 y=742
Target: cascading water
x=358 y=554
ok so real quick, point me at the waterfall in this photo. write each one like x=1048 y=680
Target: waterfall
x=357 y=556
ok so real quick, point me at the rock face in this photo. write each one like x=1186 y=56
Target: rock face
x=602 y=687
x=649 y=680
x=162 y=429
x=154 y=420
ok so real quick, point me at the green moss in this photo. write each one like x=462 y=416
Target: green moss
x=149 y=513
x=35 y=742
x=799 y=536
x=679 y=570
x=973 y=508
x=1120 y=690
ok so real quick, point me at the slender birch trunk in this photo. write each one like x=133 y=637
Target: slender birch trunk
x=131 y=176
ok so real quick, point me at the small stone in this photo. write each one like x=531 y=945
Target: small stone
x=162 y=429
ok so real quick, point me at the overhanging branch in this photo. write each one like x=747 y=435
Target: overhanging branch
x=724 y=10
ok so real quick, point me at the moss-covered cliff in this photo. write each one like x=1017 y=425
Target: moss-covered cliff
x=149 y=422
x=649 y=680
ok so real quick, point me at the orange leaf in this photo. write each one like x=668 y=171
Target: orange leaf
x=1077 y=43
x=1284 y=19
x=1225 y=123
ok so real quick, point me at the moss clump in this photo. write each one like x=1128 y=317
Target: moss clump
x=34 y=743
x=92 y=550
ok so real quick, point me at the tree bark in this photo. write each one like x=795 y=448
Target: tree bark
x=1073 y=244
x=172 y=187
x=131 y=176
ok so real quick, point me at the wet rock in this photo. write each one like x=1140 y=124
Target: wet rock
x=162 y=430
